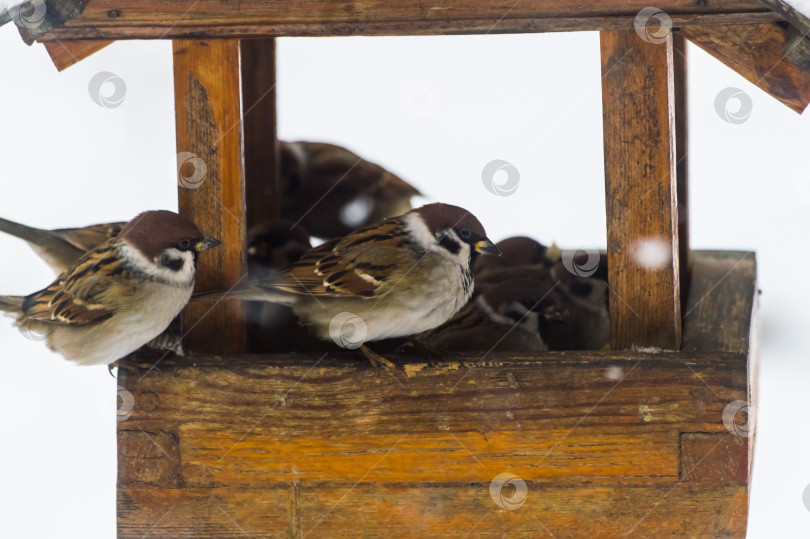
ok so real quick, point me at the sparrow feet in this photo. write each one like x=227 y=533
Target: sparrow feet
x=377 y=360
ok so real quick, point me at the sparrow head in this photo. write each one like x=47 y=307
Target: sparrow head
x=164 y=245
x=450 y=228
x=274 y=245
x=525 y=302
x=516 y=251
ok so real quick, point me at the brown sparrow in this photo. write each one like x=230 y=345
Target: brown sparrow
x=61 y=248
x=587 y=297
x=397 y=278
x=119 y=295
x=331 y=191
x=512 y=316
x=522 y=258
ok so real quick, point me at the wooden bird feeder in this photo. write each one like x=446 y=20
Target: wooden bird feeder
x=600 y=443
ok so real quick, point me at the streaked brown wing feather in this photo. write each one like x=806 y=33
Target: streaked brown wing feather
x=365 y=263
x=76 y=299
x=90 y=237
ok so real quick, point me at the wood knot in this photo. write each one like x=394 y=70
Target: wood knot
x=148 y=401
x=113 y=13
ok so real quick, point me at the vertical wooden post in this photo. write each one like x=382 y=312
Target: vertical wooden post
x=211 y=183
x=258 y=60
x=681 y=159
x=641 y=198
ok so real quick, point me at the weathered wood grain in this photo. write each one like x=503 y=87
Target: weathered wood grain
x=367 y=510
x=211 y=188
x=718 y=314
x=758 y=53
x=65 y=54
x=32 y=23
x=262 y=159
x=681 y=105
x=142 y=19
x=640 y=186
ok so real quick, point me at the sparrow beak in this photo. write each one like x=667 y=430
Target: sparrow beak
x=206 y=243
x=486 y=247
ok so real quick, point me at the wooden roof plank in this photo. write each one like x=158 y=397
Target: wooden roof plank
x=66 y=53
x=758 y=52
x=158 y=19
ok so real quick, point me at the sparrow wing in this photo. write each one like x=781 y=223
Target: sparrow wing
x=85 y=293
x=90 y=237
x=366 y=263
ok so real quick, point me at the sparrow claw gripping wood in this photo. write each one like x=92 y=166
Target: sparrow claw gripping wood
x=377 y=360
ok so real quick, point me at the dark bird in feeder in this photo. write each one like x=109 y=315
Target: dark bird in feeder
x=62 y=247
x=396 y=278
x=512 y=316
x=522 y=258
x=119 y=295
x=331 y=191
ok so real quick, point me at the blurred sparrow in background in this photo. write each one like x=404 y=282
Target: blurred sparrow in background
x=587 y=298
x=512 y=316
x=61 y=248
x=331 y=191
x=272 y=247
x=521 y=258
x=119 y=295
x=396 y=278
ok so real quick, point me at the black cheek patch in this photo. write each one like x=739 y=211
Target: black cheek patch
x=450 y=244
x=174 y=264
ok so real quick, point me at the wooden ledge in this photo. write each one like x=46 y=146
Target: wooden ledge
x=324 y=446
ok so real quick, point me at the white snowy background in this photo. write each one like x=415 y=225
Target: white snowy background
x=434 y=110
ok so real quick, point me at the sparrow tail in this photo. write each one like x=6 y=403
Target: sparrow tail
x=11 y=303
x=251 y=293
x=28 y=233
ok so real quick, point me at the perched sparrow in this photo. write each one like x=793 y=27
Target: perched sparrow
x=119 y=295
x=397 y=278
x=331 y=191
x=587 y=298
x=272 y=247
x=522 y=258
x=512 y=316
x=61 y=248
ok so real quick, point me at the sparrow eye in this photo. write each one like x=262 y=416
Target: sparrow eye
x=184 y=244
x=464 y=232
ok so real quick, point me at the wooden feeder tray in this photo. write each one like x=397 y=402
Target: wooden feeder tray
x=636 y=440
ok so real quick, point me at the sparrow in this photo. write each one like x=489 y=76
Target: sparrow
x=274 y=245
x=512 y=316
x=119 y=295
x=522 y=257
x=331 y=191
x=397 y=278
x=61 y=248
x=587 y=297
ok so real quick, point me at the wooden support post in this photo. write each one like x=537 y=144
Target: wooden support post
x=682 y=159
x=642 y=213
x=211 y=183
x=258 y=63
